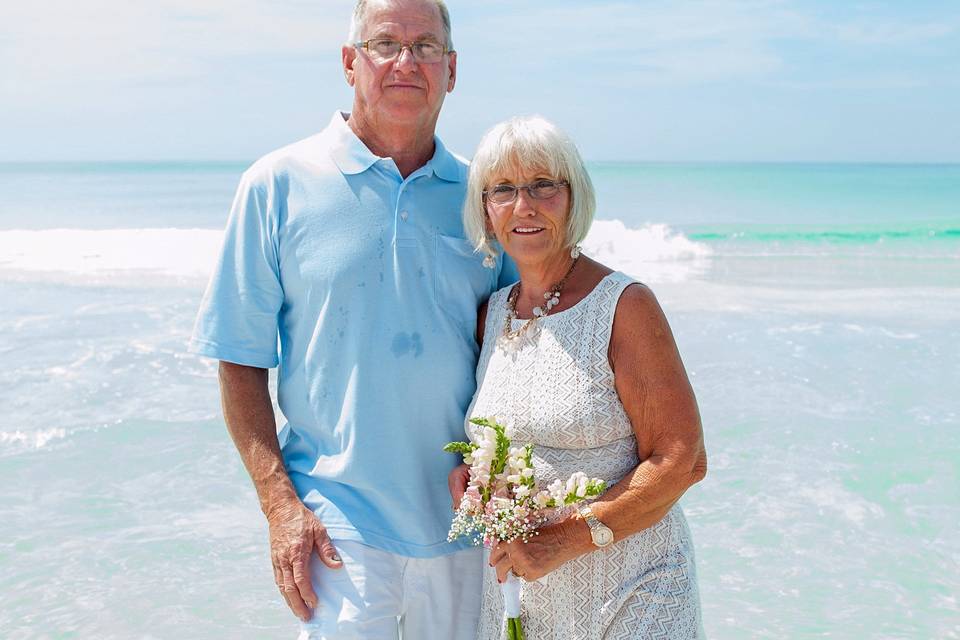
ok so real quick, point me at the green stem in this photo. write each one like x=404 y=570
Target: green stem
x=515 y=629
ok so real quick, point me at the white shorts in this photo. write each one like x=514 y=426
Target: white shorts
x=378 y=595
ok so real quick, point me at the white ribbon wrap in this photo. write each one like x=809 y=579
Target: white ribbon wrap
x=510 y=589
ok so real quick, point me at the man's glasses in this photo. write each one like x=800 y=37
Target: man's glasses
x=538 y=190
x=384 y=49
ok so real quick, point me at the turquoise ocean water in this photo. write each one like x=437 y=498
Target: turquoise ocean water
x=817 y=308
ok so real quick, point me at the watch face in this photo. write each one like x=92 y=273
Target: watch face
x=602 y=536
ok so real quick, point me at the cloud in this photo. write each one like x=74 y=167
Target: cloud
x=645 y=43
x=890 y=33
x=57 y=48
x=127 y=78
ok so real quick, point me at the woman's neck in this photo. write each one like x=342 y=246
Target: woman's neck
x=537 y=279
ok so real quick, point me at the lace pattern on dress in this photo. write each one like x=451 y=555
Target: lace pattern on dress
x=557 y=392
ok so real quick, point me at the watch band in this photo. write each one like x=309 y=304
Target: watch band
x=600 y=534
x=587 y=514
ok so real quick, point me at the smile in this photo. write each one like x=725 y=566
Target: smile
x=528 y=230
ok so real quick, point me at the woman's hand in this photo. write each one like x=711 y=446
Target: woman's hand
x=554 y=545
x=457 y=482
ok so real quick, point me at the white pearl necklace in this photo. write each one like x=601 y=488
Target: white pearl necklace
x=511 y=338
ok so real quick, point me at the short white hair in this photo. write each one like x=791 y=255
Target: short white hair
x=527 y=143
x=357 y=22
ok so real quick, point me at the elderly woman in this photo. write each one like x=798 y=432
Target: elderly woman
x=579 y=360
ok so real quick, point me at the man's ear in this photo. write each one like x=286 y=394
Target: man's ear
x=348 y=56
x=453 y=71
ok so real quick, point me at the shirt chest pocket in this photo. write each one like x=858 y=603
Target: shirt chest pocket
x=462 y=282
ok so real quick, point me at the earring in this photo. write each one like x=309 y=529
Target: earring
x=490 y=262
x=575 y=251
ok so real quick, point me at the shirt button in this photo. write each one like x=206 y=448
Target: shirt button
x=404 y=215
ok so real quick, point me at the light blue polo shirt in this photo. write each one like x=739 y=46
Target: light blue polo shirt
x=372 y=290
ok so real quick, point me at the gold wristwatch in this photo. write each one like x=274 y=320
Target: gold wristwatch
x=601 y=534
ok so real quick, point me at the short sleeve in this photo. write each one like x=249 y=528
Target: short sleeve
x=239 y=316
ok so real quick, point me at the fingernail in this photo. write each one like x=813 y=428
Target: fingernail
x=336 y=557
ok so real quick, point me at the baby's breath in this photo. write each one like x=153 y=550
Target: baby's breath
x=503 y=501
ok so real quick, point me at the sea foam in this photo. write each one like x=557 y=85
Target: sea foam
x=652 y=252
x=173 y=252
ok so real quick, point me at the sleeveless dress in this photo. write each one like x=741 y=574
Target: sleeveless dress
x=557 y=392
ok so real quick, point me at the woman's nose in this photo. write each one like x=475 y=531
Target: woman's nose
x=523 y=204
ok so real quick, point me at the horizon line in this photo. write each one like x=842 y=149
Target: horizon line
x=210 y=162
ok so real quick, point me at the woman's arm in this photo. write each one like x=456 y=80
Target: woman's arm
x=653 y=386
x=657 y=396
x=481 y=321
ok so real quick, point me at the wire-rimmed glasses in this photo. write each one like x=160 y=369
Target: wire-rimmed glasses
x=426 y=51
x=538 y=190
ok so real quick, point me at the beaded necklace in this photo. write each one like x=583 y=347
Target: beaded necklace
x=551 y=298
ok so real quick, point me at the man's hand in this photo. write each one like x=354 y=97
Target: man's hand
x=457 y=482
x=294 y=534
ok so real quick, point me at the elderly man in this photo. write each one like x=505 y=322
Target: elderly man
x=348 y=246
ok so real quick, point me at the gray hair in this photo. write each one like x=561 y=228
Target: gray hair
x=528 y=142
x=360 y=16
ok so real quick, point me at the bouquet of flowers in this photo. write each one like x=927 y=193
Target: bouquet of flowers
x=503 y=501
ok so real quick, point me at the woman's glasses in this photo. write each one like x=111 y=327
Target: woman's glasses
x=538 y=190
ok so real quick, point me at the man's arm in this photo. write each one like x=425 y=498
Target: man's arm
x=294 y=530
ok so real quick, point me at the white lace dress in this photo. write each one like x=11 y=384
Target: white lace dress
x=557 y=392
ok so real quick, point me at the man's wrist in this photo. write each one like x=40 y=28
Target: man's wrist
x=279 y=496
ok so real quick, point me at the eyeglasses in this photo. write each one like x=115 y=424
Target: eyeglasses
x=384 y=49
x=538 y=190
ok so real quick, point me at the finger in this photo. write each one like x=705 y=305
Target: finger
x=280 y=584
x=524 y=566
x=503 y=568
x=457 y=483
x=498 y=553
x=327 y=552
x=292 y=594
x=301 y=577
x=277 y=574
x=456 y=493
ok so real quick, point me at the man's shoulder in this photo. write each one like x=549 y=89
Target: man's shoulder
x=461 y=161
x=463 y=165
x=456 y=164
x=309 y=154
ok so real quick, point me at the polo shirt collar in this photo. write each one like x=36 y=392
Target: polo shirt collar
x=444 y=165
x=352 y=156
x=348 y=152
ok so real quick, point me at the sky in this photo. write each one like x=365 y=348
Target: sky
x=671 y=80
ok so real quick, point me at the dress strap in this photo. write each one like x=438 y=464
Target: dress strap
x=613 y=287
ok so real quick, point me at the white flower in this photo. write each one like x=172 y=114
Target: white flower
x=582 y=487
x=542 y=499
x=557 y=491
x=572 y=482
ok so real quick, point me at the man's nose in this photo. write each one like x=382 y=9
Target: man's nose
x=405 y=60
